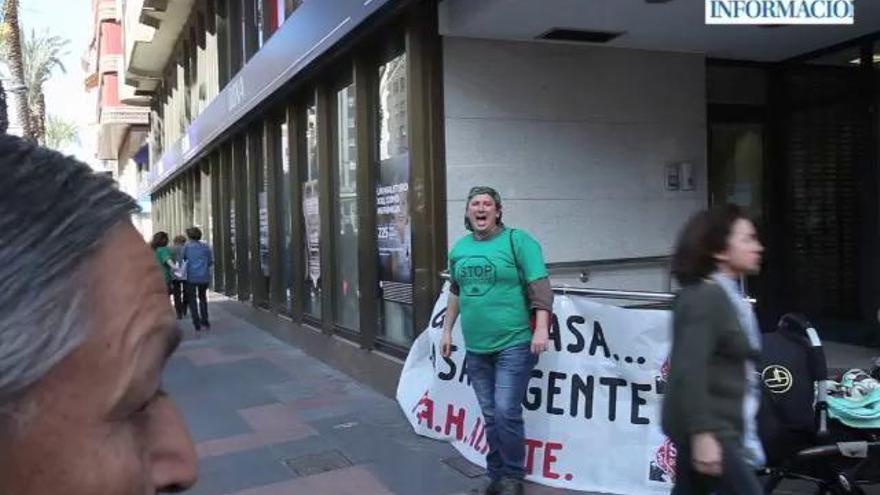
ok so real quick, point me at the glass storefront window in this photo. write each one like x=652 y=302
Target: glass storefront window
x=736 y=153
x=227 y=196
x=196 y=200
x=393 y=221
x=346 y=221
x=258 y=16
x=208 y=206
x=312 y=214
x=262 y=296
x=243 y=212
x=286 y=217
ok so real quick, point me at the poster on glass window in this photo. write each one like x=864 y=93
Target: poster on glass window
x=232 y=229
x=313 y=231
x=264 y=234
x=393 y=223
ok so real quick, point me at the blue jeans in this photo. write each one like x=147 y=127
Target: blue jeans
x=196 y=295
x=499 y=380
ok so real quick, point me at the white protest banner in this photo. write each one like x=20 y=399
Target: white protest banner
x=592 y=408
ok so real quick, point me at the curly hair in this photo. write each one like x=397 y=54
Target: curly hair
x=160 y=239
x=703 y=236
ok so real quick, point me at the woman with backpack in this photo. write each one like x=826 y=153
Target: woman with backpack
x=498 y=279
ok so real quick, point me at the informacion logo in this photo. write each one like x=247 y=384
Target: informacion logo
x=780 y=12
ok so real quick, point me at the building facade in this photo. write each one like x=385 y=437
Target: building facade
x=326 y=148
x=122 y=116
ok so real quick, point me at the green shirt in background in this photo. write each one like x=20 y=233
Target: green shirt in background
x=493 y=301
x=163 y=254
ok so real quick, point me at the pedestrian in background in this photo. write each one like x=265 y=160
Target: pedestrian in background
x=498 y=278
x=713 y=391
x=199 y=260
x=179 y=278
x=164 y=257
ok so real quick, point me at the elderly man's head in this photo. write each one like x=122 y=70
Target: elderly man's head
x=85 y=329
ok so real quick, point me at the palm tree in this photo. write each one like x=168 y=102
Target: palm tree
x=61 y=132
x=41 y=54
x=11 y=34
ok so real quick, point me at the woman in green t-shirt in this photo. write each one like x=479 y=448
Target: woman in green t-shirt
x=498 y=278
x=163 y=256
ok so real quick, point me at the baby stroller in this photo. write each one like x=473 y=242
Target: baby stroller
x=800 y=440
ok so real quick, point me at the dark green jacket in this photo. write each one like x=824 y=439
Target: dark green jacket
x=707 y=382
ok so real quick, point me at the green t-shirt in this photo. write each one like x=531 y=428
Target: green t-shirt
x=163 y=254
x=493 y=301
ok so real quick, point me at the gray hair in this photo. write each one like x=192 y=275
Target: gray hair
x=54 y=213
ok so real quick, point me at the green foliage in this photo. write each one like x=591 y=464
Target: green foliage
x=60 y=132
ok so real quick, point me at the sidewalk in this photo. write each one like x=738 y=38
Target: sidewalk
x=268 y=419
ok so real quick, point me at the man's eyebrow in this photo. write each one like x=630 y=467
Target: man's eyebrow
x=174 y=340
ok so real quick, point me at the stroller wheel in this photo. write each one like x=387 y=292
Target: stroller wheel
x=772 y=482
x=842 y=486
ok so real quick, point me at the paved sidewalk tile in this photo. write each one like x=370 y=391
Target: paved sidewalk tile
x=349 y=481
x=258 y=407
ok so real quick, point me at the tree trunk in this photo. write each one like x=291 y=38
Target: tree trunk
x=16 y=65
x=4 y=115
x=38 y=119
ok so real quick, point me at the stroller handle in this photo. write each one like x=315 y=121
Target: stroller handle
x=797 y=323
x=860 y=449
x=799 y=320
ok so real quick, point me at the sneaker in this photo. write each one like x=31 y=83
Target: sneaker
x=511 y=486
